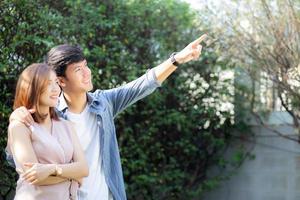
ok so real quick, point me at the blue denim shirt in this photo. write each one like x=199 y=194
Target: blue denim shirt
x=106 y=104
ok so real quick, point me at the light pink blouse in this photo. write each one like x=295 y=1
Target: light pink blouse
x=50 y=148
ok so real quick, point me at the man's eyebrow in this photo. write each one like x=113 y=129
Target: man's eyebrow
x=75 y=66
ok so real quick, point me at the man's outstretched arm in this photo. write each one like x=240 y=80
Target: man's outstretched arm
x=122 y=97
x=190 y=52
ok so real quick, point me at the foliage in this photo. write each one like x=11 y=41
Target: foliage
x=169 y=140
x=263 y=38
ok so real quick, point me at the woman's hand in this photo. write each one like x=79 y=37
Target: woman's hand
x=79 y=180
x=37 y=172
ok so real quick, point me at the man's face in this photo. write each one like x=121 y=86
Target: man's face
x=78 y=78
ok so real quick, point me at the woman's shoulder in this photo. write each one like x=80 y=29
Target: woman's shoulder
x=16 y=127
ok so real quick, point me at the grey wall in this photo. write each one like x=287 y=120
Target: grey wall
x=275 y=172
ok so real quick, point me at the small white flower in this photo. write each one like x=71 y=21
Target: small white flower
x=204 y=84
x=222 y=120
x=206 y=125
x=232 y=120
x=193 y=85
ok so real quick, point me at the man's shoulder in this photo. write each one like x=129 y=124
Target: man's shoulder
x=98 y=95
x=100 y=99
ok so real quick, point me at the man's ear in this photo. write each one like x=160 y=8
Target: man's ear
x=62 y=81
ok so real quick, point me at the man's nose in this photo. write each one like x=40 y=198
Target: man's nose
x=87 y=71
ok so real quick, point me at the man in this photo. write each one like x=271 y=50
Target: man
x=93 y=113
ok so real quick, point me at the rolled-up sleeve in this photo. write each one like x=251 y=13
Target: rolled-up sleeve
x=123 y=96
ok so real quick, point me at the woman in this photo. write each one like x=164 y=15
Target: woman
x=48 y=156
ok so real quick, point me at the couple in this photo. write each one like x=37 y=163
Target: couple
x=57 y=138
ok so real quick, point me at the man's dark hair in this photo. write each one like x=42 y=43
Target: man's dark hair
x=62 y=55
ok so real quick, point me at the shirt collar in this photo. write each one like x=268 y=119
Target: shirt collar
x=92 y=102
x=62 y=103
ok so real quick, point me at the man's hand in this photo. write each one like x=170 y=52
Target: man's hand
x=23 y=115
x=191 y=51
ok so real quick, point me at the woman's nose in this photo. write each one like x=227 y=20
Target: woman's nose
x=56 y=87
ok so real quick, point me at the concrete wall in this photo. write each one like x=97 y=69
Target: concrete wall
x=273 y=175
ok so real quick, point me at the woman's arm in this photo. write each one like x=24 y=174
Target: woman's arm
x=79 y=167
x=51 y=180
x=74 y=170
x=34 y=172
x=22 y=150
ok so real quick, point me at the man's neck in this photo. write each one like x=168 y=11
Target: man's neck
x=76 y=102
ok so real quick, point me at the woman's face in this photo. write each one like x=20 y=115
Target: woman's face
x=50 y=95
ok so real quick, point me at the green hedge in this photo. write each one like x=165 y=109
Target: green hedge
x=167 y=144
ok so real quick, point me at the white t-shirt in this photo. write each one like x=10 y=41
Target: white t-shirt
x=94 y=186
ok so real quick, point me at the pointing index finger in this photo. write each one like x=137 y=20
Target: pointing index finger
x=200 y=39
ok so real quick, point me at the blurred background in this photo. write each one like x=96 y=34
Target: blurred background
x=223 y=127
